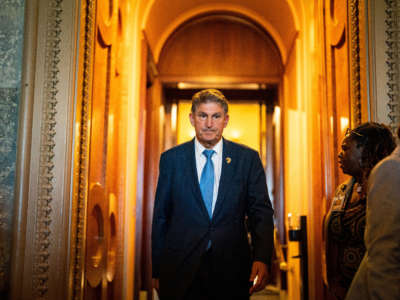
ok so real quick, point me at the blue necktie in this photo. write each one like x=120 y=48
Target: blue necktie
x=207 y=181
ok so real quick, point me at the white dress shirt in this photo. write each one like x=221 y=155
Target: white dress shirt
x=217 y=162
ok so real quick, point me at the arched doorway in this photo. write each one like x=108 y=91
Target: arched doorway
x=314 y=39
x=221 y=50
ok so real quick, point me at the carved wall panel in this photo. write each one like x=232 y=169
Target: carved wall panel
x=393 y=61
x=355 y=55
x=42 y=198
x=384 y=27
x=45 y=197
x=97 y=245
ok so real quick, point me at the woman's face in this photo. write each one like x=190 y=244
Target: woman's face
x=350 y=157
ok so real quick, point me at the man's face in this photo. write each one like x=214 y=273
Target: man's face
x=209 y=121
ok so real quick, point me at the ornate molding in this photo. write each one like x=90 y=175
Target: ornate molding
x=355 y=62
x=393 y=61
x=78 y=244
x=46 y=184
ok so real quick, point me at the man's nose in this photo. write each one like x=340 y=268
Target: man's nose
x=340 y=155
x=209 y=122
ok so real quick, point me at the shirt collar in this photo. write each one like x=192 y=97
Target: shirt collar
x=200 y=148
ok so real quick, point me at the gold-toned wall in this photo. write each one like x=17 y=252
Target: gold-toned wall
x=294 y=119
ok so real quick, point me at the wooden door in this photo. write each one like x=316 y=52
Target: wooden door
x=104 y=204
x=100 y=160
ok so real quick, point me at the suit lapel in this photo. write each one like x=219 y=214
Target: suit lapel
x=229 y=162
x=191 y=171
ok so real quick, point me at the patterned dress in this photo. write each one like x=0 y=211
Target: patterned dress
x=344 y=230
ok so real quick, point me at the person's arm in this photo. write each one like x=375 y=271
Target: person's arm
x=260 y=216
x=161 y=213
x=383 y=232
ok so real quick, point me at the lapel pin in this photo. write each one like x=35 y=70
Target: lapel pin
x=228 y=160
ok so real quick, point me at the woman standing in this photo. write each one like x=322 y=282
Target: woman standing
x=362 y=148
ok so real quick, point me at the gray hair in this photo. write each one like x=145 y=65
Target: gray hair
x=209 y=95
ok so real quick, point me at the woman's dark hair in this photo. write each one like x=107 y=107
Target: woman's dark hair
x=377 y=141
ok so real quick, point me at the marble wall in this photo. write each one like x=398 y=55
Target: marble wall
x=11 y=45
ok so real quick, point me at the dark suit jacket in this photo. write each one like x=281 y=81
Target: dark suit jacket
x=182 y=227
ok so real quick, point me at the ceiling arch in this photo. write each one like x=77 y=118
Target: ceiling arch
x=222 y=41
x=161 y=18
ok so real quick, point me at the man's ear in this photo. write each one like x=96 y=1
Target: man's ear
x=191 y=118
x=226 y=120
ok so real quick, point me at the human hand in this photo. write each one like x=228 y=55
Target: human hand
x=259 y=275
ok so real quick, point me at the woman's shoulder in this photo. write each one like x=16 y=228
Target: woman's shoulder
x=345 y=186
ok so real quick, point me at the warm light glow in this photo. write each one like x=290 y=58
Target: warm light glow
x=263 y=144
x=191 y=133
x=181 y=85
x=161 y=124
x=312 y=35
x=344 y=124
x=236 y=134
x=161 y=112
x=277 y=115
x=174 y=113
x=111 y=124
x=77 y=128
x=222 y=85
x=296 y=159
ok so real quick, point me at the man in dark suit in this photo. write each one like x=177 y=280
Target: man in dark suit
x=206 y=189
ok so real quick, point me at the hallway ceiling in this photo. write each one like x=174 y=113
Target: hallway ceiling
x=162 y=17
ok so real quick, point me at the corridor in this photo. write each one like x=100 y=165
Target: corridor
x=93 y=91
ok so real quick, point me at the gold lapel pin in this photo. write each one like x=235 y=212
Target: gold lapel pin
x=228 y=160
